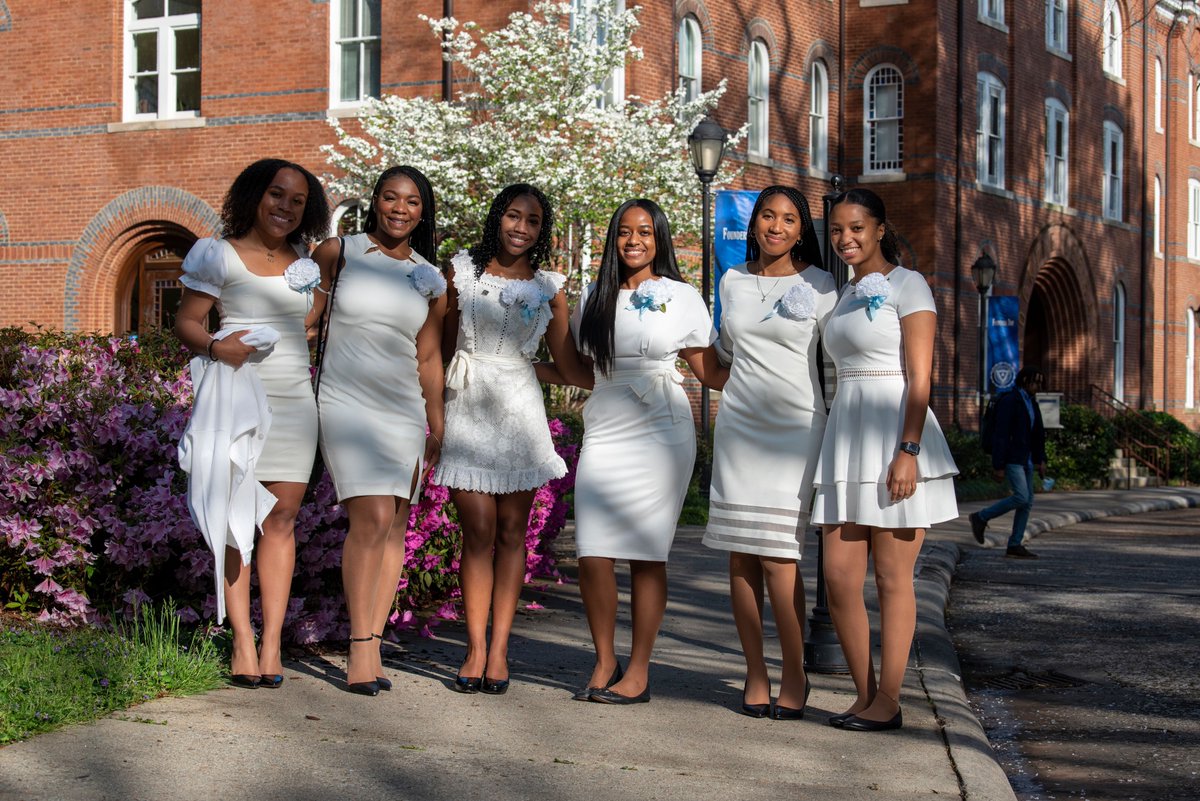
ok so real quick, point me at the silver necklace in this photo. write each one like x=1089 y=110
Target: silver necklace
x=758 y=285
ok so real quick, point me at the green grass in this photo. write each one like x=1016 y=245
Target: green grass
x=53 y=677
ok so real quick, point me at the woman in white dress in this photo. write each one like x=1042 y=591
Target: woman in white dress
x=379 y=389
x=498 y=449
x=272 y=209
x=639 y=441
x=768 y=436
x=885 y=473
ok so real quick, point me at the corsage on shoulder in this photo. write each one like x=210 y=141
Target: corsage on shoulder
x=528 y=295
x=874 y=288
x=303 y=276
x=652 y=295
x=798 y=303
x=428 y=281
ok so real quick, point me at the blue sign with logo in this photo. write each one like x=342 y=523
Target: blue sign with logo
x=1003 y=348
x=731 y=218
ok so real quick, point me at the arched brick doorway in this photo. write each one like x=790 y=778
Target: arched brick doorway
x=148 y=288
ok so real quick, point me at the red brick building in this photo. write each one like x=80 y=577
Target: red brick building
x=1072 y=160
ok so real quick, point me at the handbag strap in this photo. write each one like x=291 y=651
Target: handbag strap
x=326 y=315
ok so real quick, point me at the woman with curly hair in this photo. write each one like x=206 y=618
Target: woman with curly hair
x=272 y=209
x=498 y=449
x=379 y=389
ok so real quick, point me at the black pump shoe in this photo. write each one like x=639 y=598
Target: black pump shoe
x=788 y=713
x=360 y=687
x=271 y=680
x=467 y=684
x=586 y=693
x=755 y=710
x=384 y=682
x=244 y=680
x=494 y=686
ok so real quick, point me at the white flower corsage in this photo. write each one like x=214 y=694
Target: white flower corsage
x=526 y=294
x=652 y=295
x=303 y=275
x=874 y=288
x=428 y=281
x=798 y=303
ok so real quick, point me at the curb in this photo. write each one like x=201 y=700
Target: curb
x=1165 y=503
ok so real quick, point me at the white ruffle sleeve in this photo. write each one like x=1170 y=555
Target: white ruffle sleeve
x=204 y=267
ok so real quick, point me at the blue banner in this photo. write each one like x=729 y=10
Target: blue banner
x=1003 y=349
x=731 y=218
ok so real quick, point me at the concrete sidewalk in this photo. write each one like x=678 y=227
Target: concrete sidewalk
x=312 y=740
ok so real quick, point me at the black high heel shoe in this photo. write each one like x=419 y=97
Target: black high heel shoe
x=788 y=713
x=360 y=687
x=467 y=684
x=754 y=710
x=271 y=680
x=244 y=680
x=586 y=693
x=384 y=682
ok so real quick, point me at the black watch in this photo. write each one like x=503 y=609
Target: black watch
x=911 y=447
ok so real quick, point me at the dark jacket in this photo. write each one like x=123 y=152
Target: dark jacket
x=1018 y=440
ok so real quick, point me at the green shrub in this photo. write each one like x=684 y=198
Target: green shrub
x=1079 y=453
x=1183 y=443
x=973 y=463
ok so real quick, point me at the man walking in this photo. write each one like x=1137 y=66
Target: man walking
x=1018 y=446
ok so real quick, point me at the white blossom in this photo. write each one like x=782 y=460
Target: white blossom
x=798 y=303
x=302 y=275
x=428 y=281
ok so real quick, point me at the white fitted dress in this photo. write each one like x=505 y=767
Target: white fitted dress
x=213 y=267
x=372 y=410
x=497 y=438
x=768 y=433
x=867 y=418
x=639 y=437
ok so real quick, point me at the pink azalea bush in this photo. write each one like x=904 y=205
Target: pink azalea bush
x=93 y=516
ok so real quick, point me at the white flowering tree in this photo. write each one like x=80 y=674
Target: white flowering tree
x=535 y=108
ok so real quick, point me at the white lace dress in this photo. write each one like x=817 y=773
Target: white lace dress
x=497 y=438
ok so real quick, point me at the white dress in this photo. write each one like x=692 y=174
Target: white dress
x=866 y=421
x=372 y=409
x=768 y=433
x=213 y=267
x=497 y=438
x=639 y=437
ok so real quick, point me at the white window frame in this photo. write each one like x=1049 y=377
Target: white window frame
x=880 y=76
x=1158 y=95
x=1113 y=191
x=758 y=99
x=818 y=118
x=1112 y=39
x=1193 y=219
x=992 y=11
x=165 y=28
x=1056 y=25
x=989 y=132
x=612 y=88
x=1189 y=361
x=1158 y=251
x=1057 y=172
x=1119 y=342
x=1193 y=108
x=337 y=41
x=691 y=58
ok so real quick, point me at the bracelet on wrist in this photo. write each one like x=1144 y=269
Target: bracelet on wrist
x=211 y=342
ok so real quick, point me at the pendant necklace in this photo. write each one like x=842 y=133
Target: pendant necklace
x=758 y=285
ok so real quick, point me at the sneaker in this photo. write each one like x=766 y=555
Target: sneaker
x=1020 y=552
x=978 y=526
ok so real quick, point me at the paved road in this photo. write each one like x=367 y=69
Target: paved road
x=1112 y=605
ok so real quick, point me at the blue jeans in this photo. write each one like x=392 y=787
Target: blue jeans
x=1020 y=478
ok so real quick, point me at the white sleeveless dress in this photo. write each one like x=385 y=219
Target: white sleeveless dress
x=867 y=417
x=213 y=267
x=372 y=410
x=768 y=433
x=639 y=436
x=497 y=438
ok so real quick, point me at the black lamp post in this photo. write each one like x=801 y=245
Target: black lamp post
x=707 y=143
x=983 y=271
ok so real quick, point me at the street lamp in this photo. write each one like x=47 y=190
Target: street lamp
x=983 y=271
x=707 y=144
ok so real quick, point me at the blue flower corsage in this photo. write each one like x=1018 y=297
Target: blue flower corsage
x=874 y=288
x=652 y=295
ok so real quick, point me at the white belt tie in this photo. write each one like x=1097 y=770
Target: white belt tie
x=461 y=367
x=646 y=383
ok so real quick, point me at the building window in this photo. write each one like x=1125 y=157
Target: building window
x=992 y=11
x=348 y=218
x=884 y=118
x=1189 y=382
x=1057 y=139
x=587 y=19
x=354 y=61
x=1193 y=107
x=1157 y=220
x=990 y=131
x=1056 y=25
x=1193 y=224
x=758 y=95
x=1158 y=95
x=162 y=59
x=1119 y=343
x=818 y=118
x=1114 y=170
x=1111 y=35
x=690 y=52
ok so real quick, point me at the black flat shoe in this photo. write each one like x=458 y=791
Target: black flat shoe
x=271 y=680
x=245 y=680
x=467 y=684
x=855 y=723
x=364 y=688
x=384 y=683
x=494 y=686
x=779 y=712
x=607 y=696
x=837 y=721
x=586 y=693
